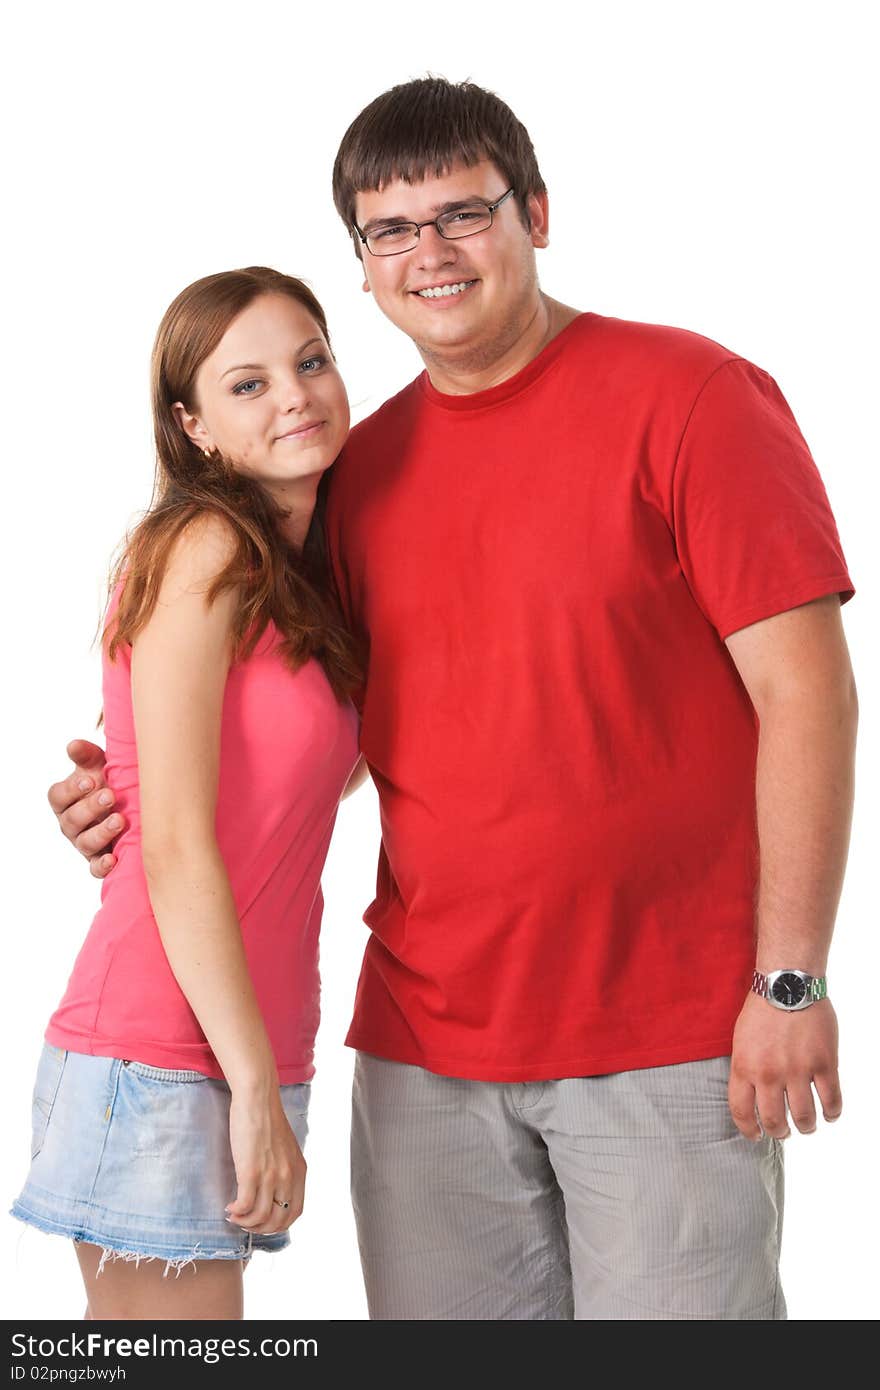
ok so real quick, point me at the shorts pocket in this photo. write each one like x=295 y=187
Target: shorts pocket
x=171 y=1074
x=296 y=1097
x=50 y=1069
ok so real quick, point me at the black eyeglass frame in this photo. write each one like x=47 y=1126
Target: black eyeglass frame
x=491 y=208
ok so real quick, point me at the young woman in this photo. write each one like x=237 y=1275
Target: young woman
x=171 y=1096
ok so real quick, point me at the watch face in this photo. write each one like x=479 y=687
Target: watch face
x=788 y=989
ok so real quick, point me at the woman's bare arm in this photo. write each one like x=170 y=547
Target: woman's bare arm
x=180 y=663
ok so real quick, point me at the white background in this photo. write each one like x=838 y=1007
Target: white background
x=709 y=166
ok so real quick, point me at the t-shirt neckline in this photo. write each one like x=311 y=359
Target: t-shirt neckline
x=520 y=381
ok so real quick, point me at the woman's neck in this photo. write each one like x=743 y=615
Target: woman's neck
x=297 y=501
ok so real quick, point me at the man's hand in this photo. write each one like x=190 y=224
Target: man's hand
x=83 y=804
x=778 y=1055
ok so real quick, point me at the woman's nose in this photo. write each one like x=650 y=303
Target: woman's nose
x=293 y=394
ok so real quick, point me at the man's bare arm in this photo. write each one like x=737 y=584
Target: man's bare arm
x=796 y=669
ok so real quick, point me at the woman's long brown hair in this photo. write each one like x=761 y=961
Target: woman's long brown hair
x=274 y=582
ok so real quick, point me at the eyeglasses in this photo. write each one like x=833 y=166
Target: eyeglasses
x=463 y=221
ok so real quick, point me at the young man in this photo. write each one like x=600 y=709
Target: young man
x=608 y=703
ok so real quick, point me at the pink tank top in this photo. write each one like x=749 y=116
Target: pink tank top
x=287 y=749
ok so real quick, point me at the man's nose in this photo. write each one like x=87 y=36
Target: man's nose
x=434 y=250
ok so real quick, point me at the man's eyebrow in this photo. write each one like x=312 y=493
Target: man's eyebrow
x=438 y=210
x=260 y=366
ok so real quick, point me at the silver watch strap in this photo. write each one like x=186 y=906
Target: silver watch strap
x=818 y=986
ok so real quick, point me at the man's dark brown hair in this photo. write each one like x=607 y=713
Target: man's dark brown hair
x=419 y=130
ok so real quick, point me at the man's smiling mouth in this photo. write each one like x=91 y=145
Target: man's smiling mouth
x=444 y=291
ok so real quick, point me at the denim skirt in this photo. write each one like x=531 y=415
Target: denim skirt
x=136 y=1159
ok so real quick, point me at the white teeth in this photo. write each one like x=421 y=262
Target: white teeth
x=444 y=291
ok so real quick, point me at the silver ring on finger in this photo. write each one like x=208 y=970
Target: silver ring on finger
x=285 y=1206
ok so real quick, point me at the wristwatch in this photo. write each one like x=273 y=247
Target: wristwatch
x=790 y=989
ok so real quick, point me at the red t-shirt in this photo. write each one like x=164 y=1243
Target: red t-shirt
x=565 y=753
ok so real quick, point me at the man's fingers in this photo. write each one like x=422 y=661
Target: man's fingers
x=84 y=805
x=78 y=800
x=770 y=1101
x=70 y=791
x=86 y=811
x=88 y=756
x=97 y=838
x=87 y=776
x=828 y=1089
x=741 y=1099
x=801 y=1107
x=101 y=864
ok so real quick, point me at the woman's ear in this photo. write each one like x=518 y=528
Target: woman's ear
x=192 y=427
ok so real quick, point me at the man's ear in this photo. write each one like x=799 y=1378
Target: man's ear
x=539 y=218
x=192 y=427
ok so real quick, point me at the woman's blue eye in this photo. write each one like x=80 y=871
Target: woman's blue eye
x=313 y=363
x=240 y=390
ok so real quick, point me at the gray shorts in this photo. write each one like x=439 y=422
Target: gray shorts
x=628 y=1196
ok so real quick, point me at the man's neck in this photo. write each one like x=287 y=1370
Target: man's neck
x=479 y=369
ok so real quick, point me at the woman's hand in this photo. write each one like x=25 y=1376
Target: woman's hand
x=268 y=1163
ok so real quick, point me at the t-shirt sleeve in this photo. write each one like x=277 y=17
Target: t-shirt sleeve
x=754 y=532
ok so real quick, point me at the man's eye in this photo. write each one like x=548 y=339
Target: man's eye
x=246 y=388
x=389 y=233
x=466 y=215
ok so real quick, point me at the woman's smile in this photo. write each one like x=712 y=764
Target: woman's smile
x=306 y=431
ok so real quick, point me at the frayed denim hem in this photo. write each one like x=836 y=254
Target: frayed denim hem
x=132 y=1256
x=123 y=1251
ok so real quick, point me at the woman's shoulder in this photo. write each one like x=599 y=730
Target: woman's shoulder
x=194 y=560
x=205 y=545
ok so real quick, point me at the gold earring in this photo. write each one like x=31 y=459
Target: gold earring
x=207 y=453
